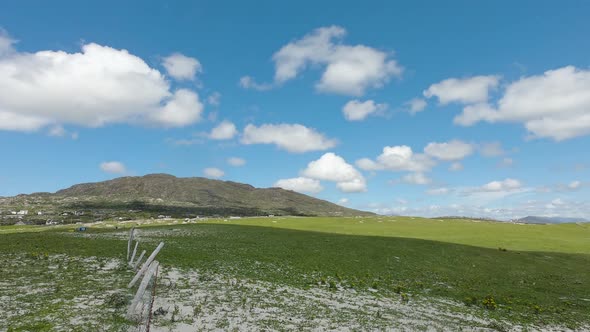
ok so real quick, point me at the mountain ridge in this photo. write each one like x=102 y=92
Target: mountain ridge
x=178 y=196
x=550 y=220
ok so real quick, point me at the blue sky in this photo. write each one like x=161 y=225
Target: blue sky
x=415 y=107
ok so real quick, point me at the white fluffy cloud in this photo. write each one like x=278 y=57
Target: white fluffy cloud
x=355 y=110
x=348 y=70
x=224 y=131
x=97 y=86
x=398 y=158
x=114 y=167
x=416 y=105
x=402 y=158
x=182 y=67
x=212 y=172
x=416 y=178
x=504 y=185
x=236 y=162
x=182 y=109
x=463 y=90
x=555 y=104
x=331 y=167
x=449 y=151
x=294 y=138
x=300 y=184
x=515 y=210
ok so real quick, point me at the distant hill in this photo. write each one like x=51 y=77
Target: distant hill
x=550 y=220
x=178 y=197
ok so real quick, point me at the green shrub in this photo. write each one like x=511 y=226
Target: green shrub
x=489 y=303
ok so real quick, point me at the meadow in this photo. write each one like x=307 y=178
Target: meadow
x=376 y=272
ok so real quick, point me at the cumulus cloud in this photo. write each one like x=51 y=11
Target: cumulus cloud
x=552 y=105
x=449 y=151
x=416 y=105
x=99 y=85
x=182 y=109
x=416 y=178
x=214 y=173
x=398 y=158
x=224 y=131
x=504 y=185
x=114 y=167
x=355 y=110
x=300 y=184
x=294 y=138
x=347 y=69
x=236 y=162
x=343 y=201
x=463 y=90
x=181 y=67
x=402 y=158
x=331 y=167
x=515 y=210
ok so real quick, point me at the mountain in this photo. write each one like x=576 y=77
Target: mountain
x=162 y=194
x=549 y=220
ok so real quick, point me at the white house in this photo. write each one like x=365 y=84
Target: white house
x=23 y=212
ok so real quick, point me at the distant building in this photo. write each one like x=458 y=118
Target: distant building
x=23 y=212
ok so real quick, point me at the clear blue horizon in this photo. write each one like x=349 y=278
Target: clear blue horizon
x=414 y=107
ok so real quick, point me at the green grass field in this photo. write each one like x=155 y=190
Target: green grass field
x=532 y=275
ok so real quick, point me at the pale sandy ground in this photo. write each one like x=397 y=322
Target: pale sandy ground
x=228 y=304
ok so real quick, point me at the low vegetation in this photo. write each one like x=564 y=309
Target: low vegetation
x=503 y=275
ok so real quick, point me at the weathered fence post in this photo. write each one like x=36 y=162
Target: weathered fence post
x=145 y=265
x=138 y=260
x=134 y=252
x=129 y=242
x=141 y=290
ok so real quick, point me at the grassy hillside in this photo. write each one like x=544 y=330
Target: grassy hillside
x=565 y=238
x=543 y=276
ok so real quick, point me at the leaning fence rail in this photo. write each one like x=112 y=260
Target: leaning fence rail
x=140 y=309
